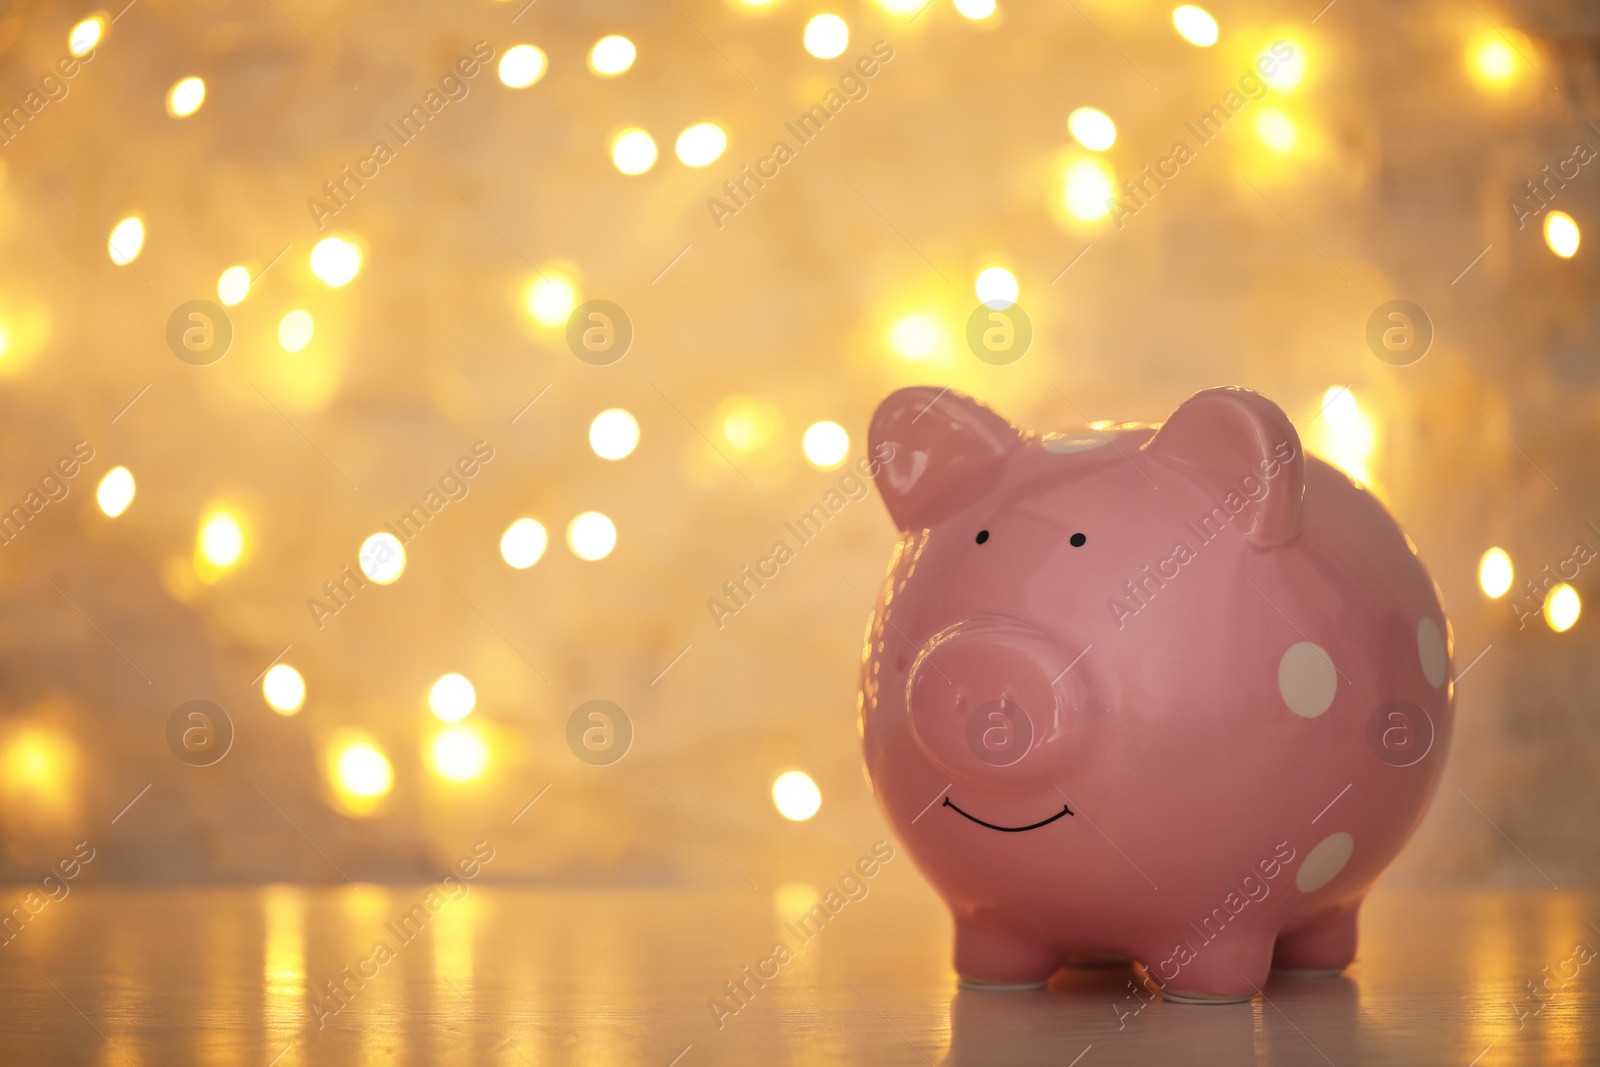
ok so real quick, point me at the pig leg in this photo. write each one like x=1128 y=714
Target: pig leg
x=1322 y=948
x=1230 y=969
x=992 y=957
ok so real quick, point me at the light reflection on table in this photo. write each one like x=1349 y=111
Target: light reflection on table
x=512 y=976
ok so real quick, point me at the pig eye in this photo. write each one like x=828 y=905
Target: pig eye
x=983 y=535
x=1077 y=540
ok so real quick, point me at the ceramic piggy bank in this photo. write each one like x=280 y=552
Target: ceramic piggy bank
x=1174 y=695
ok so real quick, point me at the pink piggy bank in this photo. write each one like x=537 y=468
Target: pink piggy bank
x=1174 y=695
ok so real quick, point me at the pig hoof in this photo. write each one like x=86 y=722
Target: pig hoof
x=991 y=957
x=984 y=985
x=1181 y=997
x=1309 y=972
x=1324 y=948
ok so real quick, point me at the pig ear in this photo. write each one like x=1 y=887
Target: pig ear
x=935 y=450
x=1221 y=437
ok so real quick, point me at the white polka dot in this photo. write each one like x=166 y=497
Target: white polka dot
x=1430 y=648
x=1324 y=862
x=1074 y=442
x=1307 y=680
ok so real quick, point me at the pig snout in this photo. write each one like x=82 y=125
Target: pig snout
x=991 y=702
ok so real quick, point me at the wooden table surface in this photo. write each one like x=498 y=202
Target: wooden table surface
x=522 y=976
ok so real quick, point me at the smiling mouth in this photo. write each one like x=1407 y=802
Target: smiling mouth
x=1007 y=829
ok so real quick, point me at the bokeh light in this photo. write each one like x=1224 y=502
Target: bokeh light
x=611 y=56
x=746 y=424
x=591 y=536
x=1495 y=573
x=38 y=773
x=1092 y=128
x=914 y=337
x=1195 y=25
x=459 y=754
x=523 y=543
x=1492 y=62
x=614 y=434
x=633 y=151
x=221 y=540
x=827 y=36
x=1340 y=406
x=233 y=286
x=335 y=261
x=701 y=144
x=1345 y=436
x=1287 y=74
x=452 y=698
x=1562 y=608
x=796 y=795
x=362 y=775
x=1090 y=188
x=1276 y=130
x=34 y=756
x=185 y=97
x=115 y=492
x=126 y=241
x=551 y=299
x=1561 y=234
x=521 y=66
x=826 y=444
x=295 y=330
x=996 y=288
x=383 y=558
x=284 y=689
x=976 y=9
x=85 y=35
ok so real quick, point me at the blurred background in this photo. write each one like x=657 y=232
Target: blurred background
x=356 y=461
